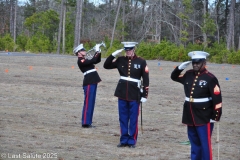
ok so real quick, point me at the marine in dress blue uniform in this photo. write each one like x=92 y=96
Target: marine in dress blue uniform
x=90 y=81
x=131 y=69
x=203 y=103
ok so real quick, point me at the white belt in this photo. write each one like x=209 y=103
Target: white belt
x=198 y=99
x=89 y=71
x=132 y=80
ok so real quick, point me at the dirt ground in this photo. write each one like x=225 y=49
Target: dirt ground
x=41 y=99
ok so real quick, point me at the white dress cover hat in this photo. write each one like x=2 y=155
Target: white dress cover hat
x=198 y=56
x=129 y=45
x=78 y=48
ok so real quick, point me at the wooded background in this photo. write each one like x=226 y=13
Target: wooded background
x=57 y=26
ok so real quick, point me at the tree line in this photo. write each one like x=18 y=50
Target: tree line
x=57 y=26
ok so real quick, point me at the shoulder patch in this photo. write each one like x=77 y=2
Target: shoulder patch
x=216 y=90
x=146 y=69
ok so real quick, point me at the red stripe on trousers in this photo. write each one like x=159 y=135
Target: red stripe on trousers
x=136 y=132
x=86 y=107
x=209 y=140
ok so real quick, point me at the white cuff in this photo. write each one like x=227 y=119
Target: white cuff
x=212 y=121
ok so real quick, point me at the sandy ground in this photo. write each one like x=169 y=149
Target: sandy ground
x=41 y=99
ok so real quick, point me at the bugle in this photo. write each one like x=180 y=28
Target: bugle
x=89 y=55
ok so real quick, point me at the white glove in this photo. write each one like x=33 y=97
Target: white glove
x=114 y=54
x=143 y=99
x=97 y=48
x=184 y=65
x=212 y=121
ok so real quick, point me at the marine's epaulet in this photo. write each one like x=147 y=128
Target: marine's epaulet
x=209 y=73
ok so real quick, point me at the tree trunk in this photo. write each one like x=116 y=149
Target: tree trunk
x=230 y=33
x=77 y=32
x=193 y=31
x=115 y=22
x=123 y=20
x=226 y=16
x=15 y=23
x=217 y=20
x=160 y=21
x=205 y=43
x=109 y=13
x=64 y=23
x=11 y=17
x=239 y=43
x=60 y=27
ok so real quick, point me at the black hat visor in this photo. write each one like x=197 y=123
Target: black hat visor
x=198 y=60
x=83 y=49
x=128 y=48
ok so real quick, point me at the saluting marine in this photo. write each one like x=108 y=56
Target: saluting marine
x=203 y=103
x=90 y=81
x=131 y=69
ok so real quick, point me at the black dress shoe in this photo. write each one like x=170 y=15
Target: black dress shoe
x=131 y=146
x=121 y=145
x=87 y=126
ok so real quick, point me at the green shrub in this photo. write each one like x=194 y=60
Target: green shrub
x=69 y=44
x=115 y=46
x=218 y=52
x=21 y=42
x=7 y=43
x=179 y=54
x=1 y=44
x=39 y=44
x=218 y=56
x=144 y=50
x=234 y=57
x=194 y=47
x=42 y=44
